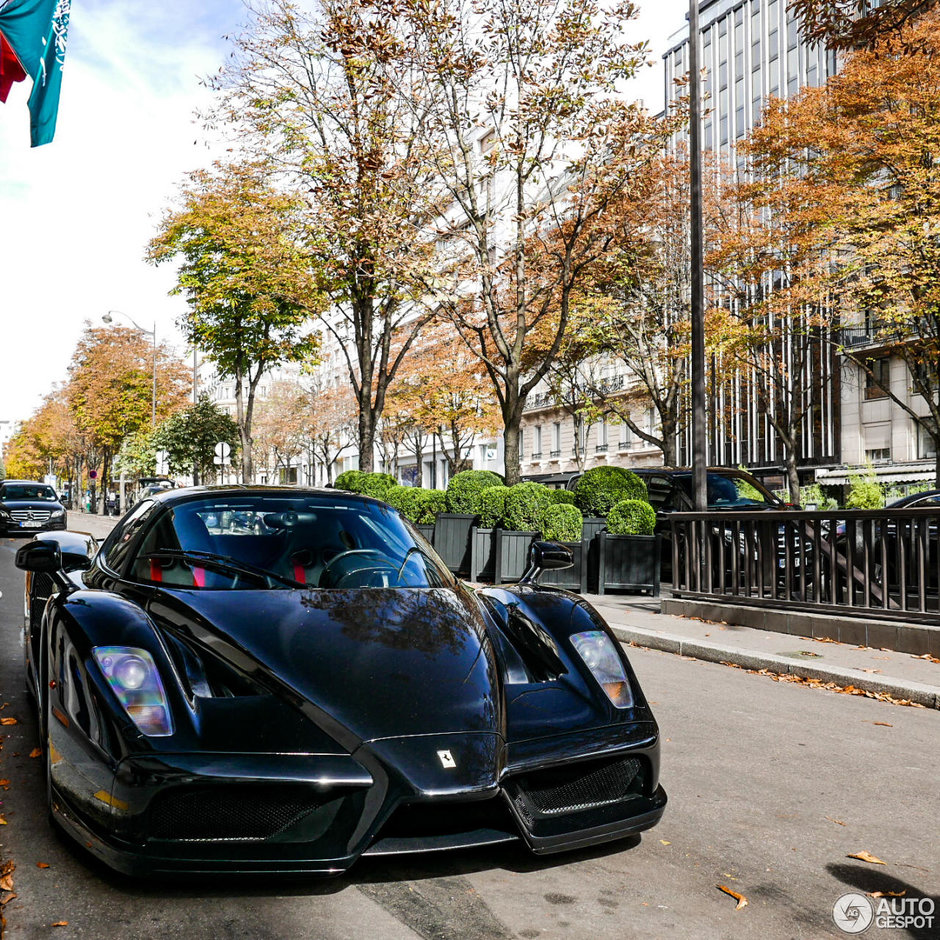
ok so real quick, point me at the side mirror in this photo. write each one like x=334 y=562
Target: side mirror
x=546 y=556
x=39 y=556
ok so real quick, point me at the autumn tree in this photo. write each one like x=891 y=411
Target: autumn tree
x=443 y=391
x=533 y=143
x=47 y=442
x=848 y=24
x=283 y=423
x=325 y=95
x=249 y=286
x=331 y=424
x=855 y=174
x=109 y=390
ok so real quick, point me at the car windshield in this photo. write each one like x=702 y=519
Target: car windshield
x=24 y=491
x=258 y=541
x=730 y=492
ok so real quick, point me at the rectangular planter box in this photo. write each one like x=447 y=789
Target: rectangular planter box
x=628 y=563
x=512 y=554
x=590 y=535
x=426 y=529
x=482 y=554
x=452 y=540
x=571 y=579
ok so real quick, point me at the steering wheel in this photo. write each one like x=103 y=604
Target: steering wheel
x=383 y=562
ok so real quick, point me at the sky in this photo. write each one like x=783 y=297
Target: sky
x=76 y=215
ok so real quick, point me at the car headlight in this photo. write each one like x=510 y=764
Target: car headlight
x=600 y=656
x=133 y=676
x=58 y=514
x=5 y=515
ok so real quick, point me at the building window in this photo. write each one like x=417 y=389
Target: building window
x=926 y=444
x=877 y=377
x=601 y=446
x=626 y=437
x=556 y=439
x=537 y=442
x=878 y=455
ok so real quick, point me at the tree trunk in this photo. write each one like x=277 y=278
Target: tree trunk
x=793 y=479
x=366 y=439
x=511 y=445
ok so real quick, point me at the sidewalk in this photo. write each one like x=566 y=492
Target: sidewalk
x=91 y=523
x=900 y=675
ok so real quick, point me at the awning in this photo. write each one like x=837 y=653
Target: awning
x=920 y=472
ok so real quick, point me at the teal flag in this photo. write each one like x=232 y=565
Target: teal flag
x=36 y=31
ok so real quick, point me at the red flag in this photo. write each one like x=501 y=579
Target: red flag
x=10 y=69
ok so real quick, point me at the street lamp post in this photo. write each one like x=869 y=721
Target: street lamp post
x=699 y=445
x=107 y=318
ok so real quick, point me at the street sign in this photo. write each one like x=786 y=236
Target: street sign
x=222 y=450
x=93 y=474
x=162 y=458
x=219 y=461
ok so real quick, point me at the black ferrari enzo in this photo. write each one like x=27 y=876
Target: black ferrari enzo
x=263 y=679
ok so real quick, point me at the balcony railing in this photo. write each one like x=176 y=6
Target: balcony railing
x=554 y=454
x=600 y=449
x=857 y=563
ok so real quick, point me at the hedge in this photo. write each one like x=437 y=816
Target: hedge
x=464 y=489
x=374 y=484
x=428 y=504
x=631 y=517
x=525 y=506
x=347 y=480
x=601 y=488
x=562 y=522
x=492 y=506
x=564 y=496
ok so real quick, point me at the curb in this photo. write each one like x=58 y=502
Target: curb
x=917 y=692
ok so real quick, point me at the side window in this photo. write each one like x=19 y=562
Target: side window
x=114 y=550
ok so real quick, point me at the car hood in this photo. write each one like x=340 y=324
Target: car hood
x=382 y=663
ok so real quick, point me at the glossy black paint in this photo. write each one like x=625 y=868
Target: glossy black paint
x=311 y=726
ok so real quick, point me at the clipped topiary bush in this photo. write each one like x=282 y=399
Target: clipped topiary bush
x=562 y=522
x=631 y=517
x=427 y=504
x=564 y=496
x=347 y=480
x=601 y=488
x=492 y=506
x=398 y=498
x=525 y=506
x=374 y=484
x=464 y=489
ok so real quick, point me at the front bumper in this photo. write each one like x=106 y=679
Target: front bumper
x=318 y=814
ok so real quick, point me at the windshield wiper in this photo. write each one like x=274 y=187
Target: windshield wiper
x=224 y=563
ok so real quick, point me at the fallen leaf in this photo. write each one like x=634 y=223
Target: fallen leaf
x=36 y=752
x=61 y=923
x=884 y=724
x=3 y=821
x=8 y=721
x=867 y=857
x=664 y=842
x=887 y=894
x=6 y=897
x=6 y=883
x=42 y=864
x=838 y=822
x=928 y=657
x=5 y=784
x=740 y=898
x=871 y=670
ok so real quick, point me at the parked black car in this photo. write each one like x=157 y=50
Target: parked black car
x=314 y=685
x=728 y=490
x=27 y=506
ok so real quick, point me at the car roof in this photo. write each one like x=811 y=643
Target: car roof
x=184 y=494
x=913 y=497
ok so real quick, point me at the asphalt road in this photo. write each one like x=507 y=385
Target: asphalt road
x=771 y=787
